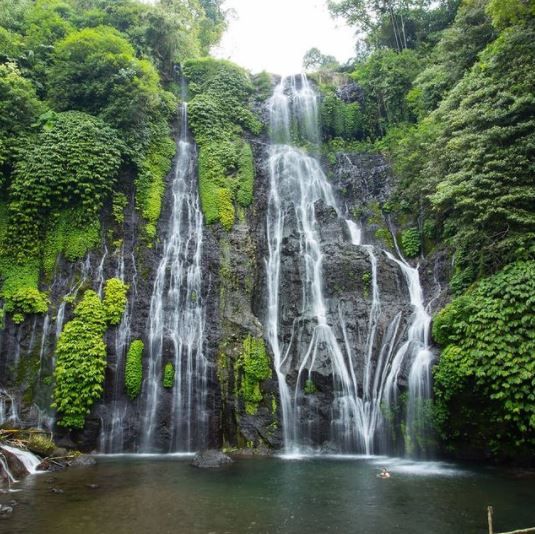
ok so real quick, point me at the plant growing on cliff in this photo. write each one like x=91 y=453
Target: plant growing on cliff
x=133 y=376
x=73 y=163
x=114 y=300
x=255 y=368
x=218 y=115
x=484 y=381
x=168 y=375
x=81 y=355
x=410 y=242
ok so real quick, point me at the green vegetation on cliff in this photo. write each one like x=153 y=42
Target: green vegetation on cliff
x=485 y=379
x=133 y=374
x=219 y=113
x=87 y=93
x=81 y=353
x=168 y=375
x=255 y=368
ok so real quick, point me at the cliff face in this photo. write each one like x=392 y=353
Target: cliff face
x=240 y=409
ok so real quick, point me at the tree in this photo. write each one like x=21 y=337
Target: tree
x=95 y=70
x=398 y=18
x=314 y=60
x=19 y=109
x=386 y=77
x=482 y=158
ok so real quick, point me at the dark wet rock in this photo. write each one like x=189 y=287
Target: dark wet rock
x=15 y=466
x=210 y=459
x=5 y=511
x=351 y=92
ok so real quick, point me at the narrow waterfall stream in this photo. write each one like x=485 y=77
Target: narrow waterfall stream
x=112 y=434
x=176 y=322
x=359 y=390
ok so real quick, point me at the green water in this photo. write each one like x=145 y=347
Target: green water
x=167 y=495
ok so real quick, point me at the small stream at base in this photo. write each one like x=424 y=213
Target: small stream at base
x=340 y=494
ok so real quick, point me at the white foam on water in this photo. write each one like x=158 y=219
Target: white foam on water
x=27 y=458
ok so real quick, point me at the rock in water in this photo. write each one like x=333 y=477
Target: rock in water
x=84 y=460
x=14 y=464
x=210 y=459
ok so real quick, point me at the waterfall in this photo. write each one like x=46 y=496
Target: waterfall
x=361 y=383
x=112 y=434
x=100 y=271
x=27 y=458
x=297 y=183
x=177 y=322
x=416 y=348
x=8 y=408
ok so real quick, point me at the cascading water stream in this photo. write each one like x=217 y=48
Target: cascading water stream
x=112 y=433
x=177 y=318
x=418 y=352
x=359 y=390
x=297 y=183
x=28 y=459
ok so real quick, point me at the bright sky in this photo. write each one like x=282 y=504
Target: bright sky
x=273 y=35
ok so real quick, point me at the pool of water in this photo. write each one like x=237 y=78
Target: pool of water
x=299 y=495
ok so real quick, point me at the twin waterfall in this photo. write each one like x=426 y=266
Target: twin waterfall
x=361 y=393
x=353 y=368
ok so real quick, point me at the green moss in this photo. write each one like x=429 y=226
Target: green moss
x=310 y=387
x=219 y=112
x=70 y=234
x=273 y=405
x=41 y=444
x=115 y=300
x=245 y=177
x=225 y=208
x=168 y=375
x=150 y=181
x=133 y=375
x=255 y=368
x=384 y=235
x=20 y=288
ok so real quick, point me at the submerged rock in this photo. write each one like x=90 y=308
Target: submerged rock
x=83 y=460
x=250 y=452
x=211 y=458
x=5 y=511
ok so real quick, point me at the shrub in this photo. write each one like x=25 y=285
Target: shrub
x=114 y=300
x=133 y=376
x=73 y=163
x=81 y=353
x=255 y=368
x=485 y=377
x=410 y=242
x=169 y=375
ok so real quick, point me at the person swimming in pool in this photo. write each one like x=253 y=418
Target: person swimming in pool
x=384 y=473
